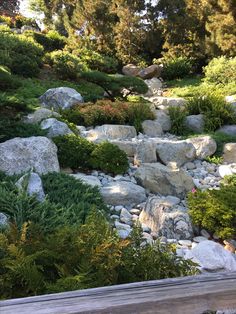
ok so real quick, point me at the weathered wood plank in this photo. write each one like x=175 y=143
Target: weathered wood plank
x=190 y=295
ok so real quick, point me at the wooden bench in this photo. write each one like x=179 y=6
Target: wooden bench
x=186 y=295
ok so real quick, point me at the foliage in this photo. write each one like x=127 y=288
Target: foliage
x=11 y=128
x=114 y=85
x=66 y=65
x=214 y=210
x=221 y=139
x=50 y=41
x=20 y=20
x=108 y=112
x=8 y=81
x=216 y=110
x=214 y=160
x=177 y=117
x=221 y=71
x=20 y=54
x=74 y=151
x=176 y=68
x=108 y=157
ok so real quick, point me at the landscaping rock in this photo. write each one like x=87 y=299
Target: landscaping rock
x=3 y=221
x=130 y=70
x=19 y=155
x=33 y=185
x=195 y=123
x=211 y=256
x=122 y=192
x=111 y=132
x=87 y=179
x=228 y=130
x=166 y=220
x=152 y=128
x=166 y=102
x=128 y=147
x=146 y=152
x=60 y=98
x=229 y=154
x=123 y=230
x=179 y=152
x=153 y=70
x=126 y=217
x=164 y=180
x=205 y=146
x=227 y=170
x=55 y=127
x=154 y=86
x=164 y=119
x=39 y=115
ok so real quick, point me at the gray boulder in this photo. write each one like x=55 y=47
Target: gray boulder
x=111 y=132
x=227 y=170
x=229 y=155
x=3 y=221
x=122 y=192
x=153 y=70
x=164 y=180
x=146 y=152
x=166 y=219
x=166 y=102
x=87 y=179
x=20 y=155
x=128 y=147
x=55 y=127
x=122 y=229
x=60 y=98
x=205 y=146
x=32 y=184
x=154 y=86
x=152 y=128
x=130 y=70
x=164 y=119
x=195 y=123
x=39 y=115
x=179 y=152
x=228 y=130
x=212 y=256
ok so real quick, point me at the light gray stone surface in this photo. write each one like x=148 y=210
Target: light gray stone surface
x=205 y=146
x=55 y=127
x=33 y=185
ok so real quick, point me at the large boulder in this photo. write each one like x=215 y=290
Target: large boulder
x=33 y=185
x=164 y=119
x=154 y=86
x=228 y=130
x=39 y=115
x=146 y=152
x=195 y=123
x=164 y=180
x=60 y=98
x=130 y=70
x=205 y=146
x=19 y=155
x=227 y=170
x=166 y=219
x=229 y=155
x=87 y=179
x=212 y=256
x=55 y=127
x=153 y=70
x=179 y=152
x=128 y=147
x=111 y=132
x=152 y=128
x=166 y=102
x=123 y=193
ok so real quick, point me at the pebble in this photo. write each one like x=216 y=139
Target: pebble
x=199 y=239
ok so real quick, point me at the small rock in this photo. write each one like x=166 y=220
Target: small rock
x=199 y=239
x=205 y=234
x=33 y=185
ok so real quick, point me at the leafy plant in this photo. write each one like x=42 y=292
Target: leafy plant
x=176 y=68
x=214 y=160
x=50 y=41
x=109 y=158
x=8 y=81
x=177 y=117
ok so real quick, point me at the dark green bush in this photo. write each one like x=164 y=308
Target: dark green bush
x=177 y=117
x=20 y=21
x=8 y=81
x=50 y=41
x=74 y=151
x=114 y=85
x=221 y=71
x=216 y=110
x=176 y=68
x=109 y=158
x=66 y=65
x=214 y=210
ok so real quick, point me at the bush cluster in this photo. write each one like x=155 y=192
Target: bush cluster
x=176 y=68
x=214 y=210
x=66 y=243
x=109 y=112
x=8 y=81
x=50 y=41
x=22 y=55
x=78 y=153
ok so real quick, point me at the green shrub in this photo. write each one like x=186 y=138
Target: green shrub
x=66 y=65
x=216 y=110
x=96 y=61
x=109 y=158
x=8 y=81
x=214 y=210
x=20 y=21
x=11 y=128
x=114 y=85
x=50 y=41
x=109 y=112
x=221 y=139
x=177 y=117
x=74 y=151
x=221 y=71
x=176 y=68
x=6 y=19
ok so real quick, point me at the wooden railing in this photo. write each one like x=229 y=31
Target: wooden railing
x=186 y=295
